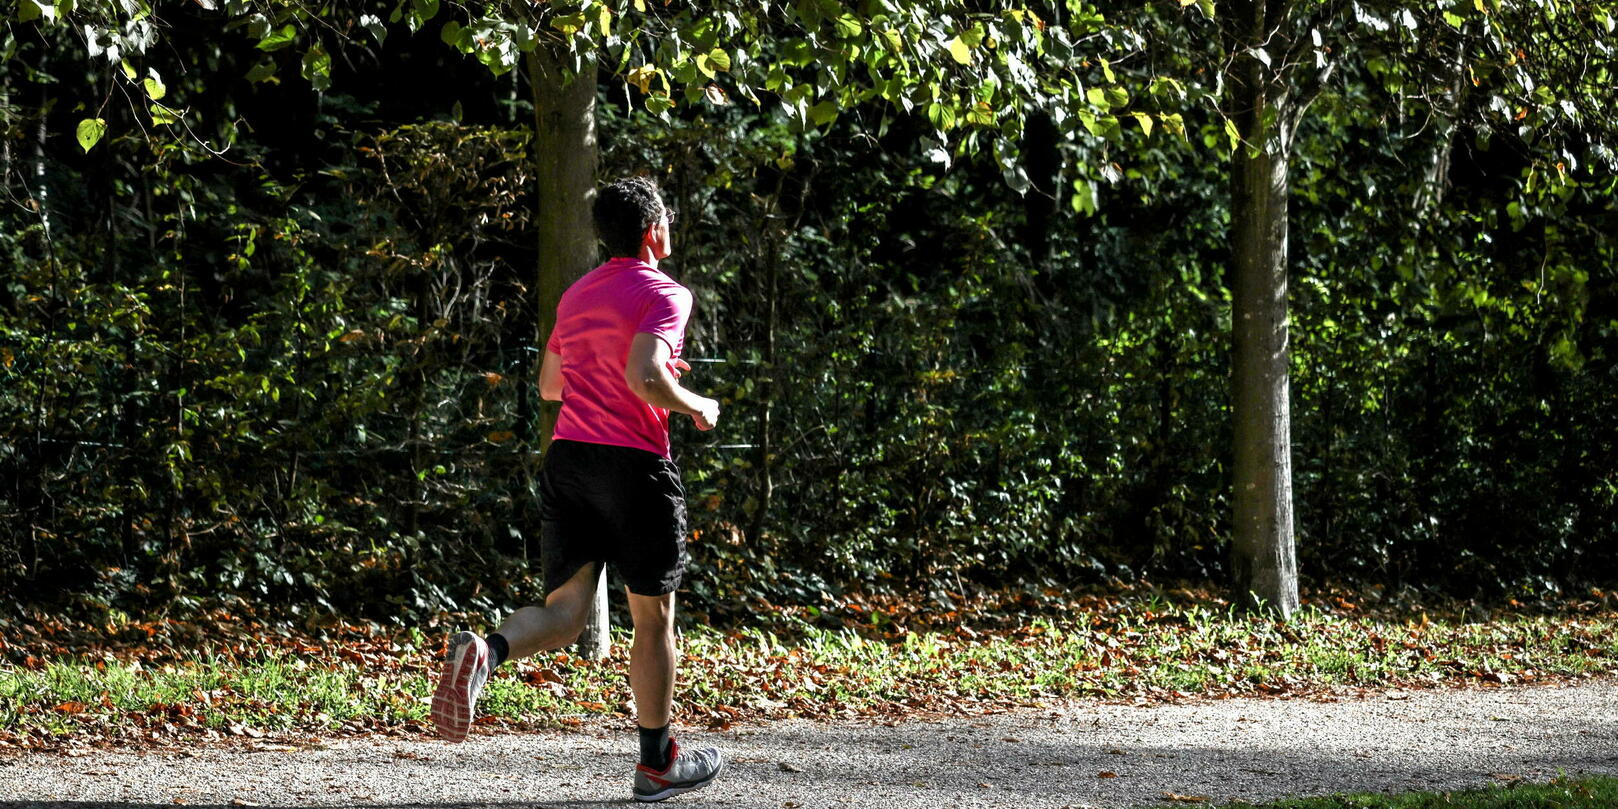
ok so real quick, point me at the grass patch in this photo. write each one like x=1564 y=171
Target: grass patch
x=368 y=679
x=1588 y=793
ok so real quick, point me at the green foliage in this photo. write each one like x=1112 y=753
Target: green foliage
x=1560 y=793
x=269 y=341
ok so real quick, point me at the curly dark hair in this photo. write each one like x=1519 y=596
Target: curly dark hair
x=624 y=210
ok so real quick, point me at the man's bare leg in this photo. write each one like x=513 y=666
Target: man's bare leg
x=651 y=658
x=471 y=659
x=531 y=630
x=666 y=768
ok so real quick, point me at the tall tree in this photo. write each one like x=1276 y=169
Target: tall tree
x=1532 y=72
x=1259 y=104
x=565 y=156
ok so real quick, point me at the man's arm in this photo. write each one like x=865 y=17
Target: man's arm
x=649 y=377
x=550 y=377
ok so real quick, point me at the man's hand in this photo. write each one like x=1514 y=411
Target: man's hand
x=706 y=414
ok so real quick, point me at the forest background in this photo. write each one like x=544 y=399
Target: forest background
x=269 y=331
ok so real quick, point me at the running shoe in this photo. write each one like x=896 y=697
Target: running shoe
x=686 y=771
x=466 y=669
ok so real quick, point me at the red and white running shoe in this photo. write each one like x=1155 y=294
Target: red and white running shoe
x=466 y=668
x=687 y=770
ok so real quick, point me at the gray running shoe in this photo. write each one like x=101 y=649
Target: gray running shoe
x=687 y=770
x=466 y=668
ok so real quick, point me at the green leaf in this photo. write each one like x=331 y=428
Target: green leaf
x=424 y=10
x=659 y=104
x=90 y=132
x=1084 y=197
x=129 y=70
x=277 y=40
x=569 y=24
x=1145 y=122
x=30 y=10
x=719 y=58
x=451 y=34
x=154 y=86
x=823 y=113
x=317 y=68
x=1175 y=123
x=942 y=116
x=960 y=51
x=1233 y=134
x=261 y=71
x=373 y=24
x=162 y=116
x=849 y=26
x=981 y=114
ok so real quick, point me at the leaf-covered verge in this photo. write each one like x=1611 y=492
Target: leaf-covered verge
x=160 y=682
x=301 y=374
x=1561 y=793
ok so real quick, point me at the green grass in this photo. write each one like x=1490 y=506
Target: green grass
x=381 y=681
x=1590 y=793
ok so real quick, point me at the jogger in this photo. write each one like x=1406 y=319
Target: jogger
x=611 y=493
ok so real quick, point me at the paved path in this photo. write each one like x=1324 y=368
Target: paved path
x=1082 y=754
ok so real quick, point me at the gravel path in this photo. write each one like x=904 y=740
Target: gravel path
x=1081 y=754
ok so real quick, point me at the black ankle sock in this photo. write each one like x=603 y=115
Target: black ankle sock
x=654 y=747
x=499 y=648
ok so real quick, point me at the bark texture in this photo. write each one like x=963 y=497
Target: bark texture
x=1265 y=556
x=565 y=160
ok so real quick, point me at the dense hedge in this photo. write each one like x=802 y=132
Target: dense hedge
x=307 y=381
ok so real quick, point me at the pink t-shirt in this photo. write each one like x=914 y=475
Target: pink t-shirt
x=598 y=317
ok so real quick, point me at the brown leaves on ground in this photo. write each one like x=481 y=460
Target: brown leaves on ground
x=734 y=682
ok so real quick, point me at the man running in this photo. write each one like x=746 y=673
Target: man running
x=610 y=492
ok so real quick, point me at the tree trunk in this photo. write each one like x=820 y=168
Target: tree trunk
x=565 y=159
x=1265 y=559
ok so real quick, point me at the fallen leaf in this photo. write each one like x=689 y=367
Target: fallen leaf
x=1106 y=774
x=785 y=767
x=1178 y=798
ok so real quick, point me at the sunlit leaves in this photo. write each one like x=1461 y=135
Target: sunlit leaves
x=90 y=131
x=421 y=12
x=960 y=51
x=317 y=68
x=153 y=84
x=373 y=25
x=30 y=10
x=278 y=39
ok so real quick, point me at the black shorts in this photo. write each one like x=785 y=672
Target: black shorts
x=601 y=503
